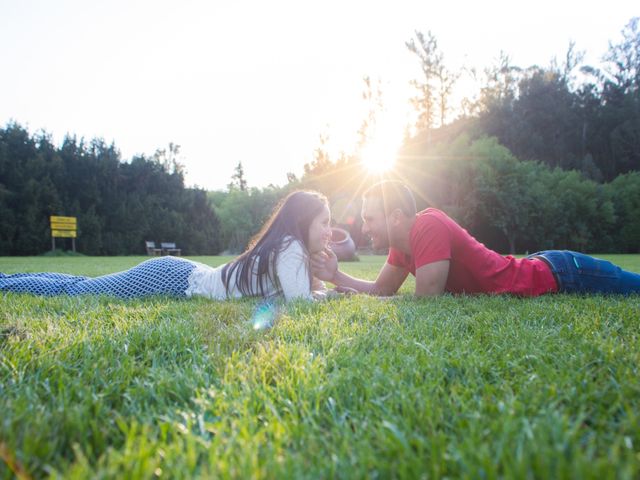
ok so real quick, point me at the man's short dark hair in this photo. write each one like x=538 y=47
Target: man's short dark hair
x=394 y=195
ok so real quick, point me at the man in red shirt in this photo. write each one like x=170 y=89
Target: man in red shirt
x=444 y=257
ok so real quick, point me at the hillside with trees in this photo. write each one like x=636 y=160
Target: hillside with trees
x=541 y=157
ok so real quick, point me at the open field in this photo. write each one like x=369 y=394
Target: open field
x=350 y=388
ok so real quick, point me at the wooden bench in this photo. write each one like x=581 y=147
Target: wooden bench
x=169 y=248
x=152 y=249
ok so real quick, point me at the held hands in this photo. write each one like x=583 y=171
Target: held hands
x=339 y=292
x=324 y=265
x=345 y=290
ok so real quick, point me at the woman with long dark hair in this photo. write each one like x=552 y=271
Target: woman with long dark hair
x=276 y=263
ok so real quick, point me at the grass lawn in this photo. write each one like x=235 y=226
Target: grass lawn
x=357 y=387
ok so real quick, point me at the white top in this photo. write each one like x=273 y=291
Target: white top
x=292 y=270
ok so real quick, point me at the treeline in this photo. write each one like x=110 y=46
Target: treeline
x=119 y=205
x=569 y=114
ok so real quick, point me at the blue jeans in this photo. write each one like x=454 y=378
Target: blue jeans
x=579 y=273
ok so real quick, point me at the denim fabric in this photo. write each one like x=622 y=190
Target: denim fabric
x=158 y=276
x=579 y=273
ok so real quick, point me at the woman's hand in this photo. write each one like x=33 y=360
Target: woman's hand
x=324 y=265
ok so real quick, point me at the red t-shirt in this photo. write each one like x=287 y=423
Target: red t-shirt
x=473 y=268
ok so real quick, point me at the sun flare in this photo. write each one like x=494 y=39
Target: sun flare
x=379 y=155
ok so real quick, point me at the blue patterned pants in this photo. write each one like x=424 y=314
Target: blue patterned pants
x=158 y=276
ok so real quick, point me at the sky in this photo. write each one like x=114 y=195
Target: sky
x=259 y=82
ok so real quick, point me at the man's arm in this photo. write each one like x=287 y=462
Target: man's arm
x=390 y=278
x=432 y=278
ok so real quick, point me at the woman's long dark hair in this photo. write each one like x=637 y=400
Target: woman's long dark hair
x=290 y=221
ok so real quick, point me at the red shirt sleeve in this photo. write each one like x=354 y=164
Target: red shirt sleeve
x=430 y=241
x=397 y=258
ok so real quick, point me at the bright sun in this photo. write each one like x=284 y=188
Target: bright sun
x=379 y=155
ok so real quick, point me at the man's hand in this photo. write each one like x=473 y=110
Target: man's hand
x=324 y=265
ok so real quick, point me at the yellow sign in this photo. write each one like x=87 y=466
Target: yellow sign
x=62 y=226
x=63 y=233
x=66 y=223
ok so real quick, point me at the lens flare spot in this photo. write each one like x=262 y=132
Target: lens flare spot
x=264 y=316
